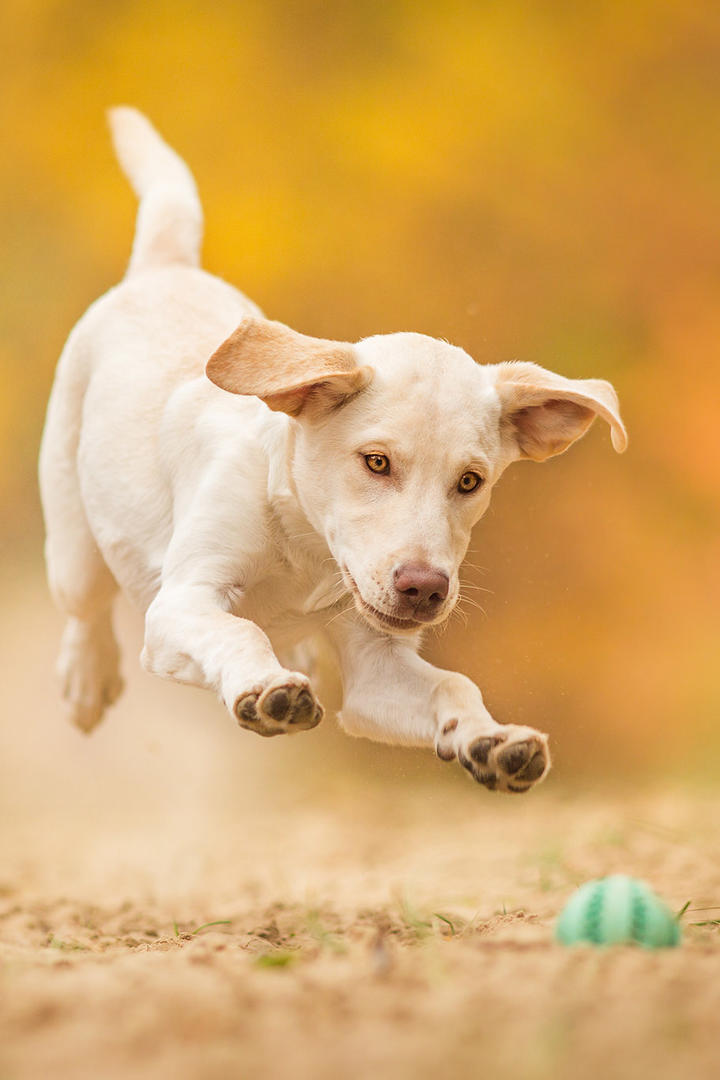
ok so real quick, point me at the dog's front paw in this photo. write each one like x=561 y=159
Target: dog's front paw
x=509 y=758
x=279 y=706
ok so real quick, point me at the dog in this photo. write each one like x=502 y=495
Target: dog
x=248 y=486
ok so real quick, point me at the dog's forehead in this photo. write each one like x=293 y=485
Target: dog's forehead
x=423 y=378
x=404 y=353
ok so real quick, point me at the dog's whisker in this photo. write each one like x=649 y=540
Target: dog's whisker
x=456 y=614
x=343 y=610
x=471 y=600
x=475 y=566
x=472 y=604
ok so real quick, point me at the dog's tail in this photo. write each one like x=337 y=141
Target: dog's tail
x=170 y=221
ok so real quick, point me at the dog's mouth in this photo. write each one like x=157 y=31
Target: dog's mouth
x=380 y=618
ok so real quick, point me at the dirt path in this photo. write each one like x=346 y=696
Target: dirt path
x=348 y=944
x=375 y=915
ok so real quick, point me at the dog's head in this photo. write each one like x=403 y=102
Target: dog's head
x=399 y=442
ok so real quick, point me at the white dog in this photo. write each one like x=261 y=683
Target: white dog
x=248 y=486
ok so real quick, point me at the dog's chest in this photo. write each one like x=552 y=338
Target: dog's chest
x=291 y=602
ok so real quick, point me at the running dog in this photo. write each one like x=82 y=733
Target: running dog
x=248 y=486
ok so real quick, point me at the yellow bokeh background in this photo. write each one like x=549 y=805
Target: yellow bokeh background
x=532 y=181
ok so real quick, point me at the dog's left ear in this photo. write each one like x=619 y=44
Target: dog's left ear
x=288 y=371
x=545 y=413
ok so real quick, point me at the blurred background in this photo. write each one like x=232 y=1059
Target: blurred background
x=531 y=181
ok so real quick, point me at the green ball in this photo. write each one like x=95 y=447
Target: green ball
x=617 y=910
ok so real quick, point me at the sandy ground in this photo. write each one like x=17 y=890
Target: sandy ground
x=374 y=914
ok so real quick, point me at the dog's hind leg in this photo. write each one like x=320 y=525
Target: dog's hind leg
x=88 y=666
x=81 y=583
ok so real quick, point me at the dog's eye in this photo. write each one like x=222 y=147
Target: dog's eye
x=468 y=482
x=377 y=463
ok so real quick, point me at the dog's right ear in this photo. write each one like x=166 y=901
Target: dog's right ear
x=290 y=372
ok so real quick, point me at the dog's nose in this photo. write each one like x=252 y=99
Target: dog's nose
x=421 y=589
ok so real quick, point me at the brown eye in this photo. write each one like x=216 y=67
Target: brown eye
x=377 y=463
x=468 y=482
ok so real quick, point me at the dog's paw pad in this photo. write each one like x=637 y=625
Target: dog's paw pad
x=444 y=745
x=479 y=771
x=278 y=708
x=523 y=763
x=246 y=708
x=510 y=760
x=305 y=708
x=277 y=705
x=535 y=767
x=481 y=749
